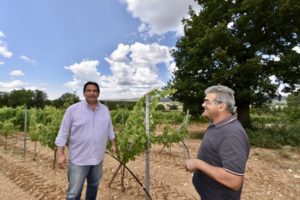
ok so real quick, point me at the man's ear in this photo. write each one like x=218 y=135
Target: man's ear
x=222 y=106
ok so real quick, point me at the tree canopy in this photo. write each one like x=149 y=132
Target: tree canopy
x=35 y=98
x=30 y=98
x=66 y=100
x=244 y=44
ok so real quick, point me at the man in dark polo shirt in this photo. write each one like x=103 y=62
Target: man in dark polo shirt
x=221 y=161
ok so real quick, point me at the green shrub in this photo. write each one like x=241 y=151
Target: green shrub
x=275 y=136
x=160 y=107
x=173 y=107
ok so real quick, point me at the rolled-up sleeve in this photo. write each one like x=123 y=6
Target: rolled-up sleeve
x=64 y=130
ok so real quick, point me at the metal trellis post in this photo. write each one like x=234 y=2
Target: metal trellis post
x=148 y=145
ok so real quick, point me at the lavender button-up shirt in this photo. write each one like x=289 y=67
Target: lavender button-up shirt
x=88 y=131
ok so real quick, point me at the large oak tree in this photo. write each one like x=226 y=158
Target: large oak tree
x=240 y=44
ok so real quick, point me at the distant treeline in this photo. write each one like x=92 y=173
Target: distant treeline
x=113 y=105
x=39 y=99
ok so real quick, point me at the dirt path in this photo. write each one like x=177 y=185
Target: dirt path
x=270 y=175
x=10 y=191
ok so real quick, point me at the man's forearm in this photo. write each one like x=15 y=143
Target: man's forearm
x=60 y=150
x=113 y=142
x=113 y=146
x=219 y=174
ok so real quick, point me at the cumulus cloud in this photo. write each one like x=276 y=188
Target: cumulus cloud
x=135 y=68
x=137 y=63
x=25 y=58
x=13 y=85
x=159 y=17
x=1 y=63
x=3 y=47
x=17 y=85
x=83 y=72
x=172 y=67
x=16 y=73
x=134 y=71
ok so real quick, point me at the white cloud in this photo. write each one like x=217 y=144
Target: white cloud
x=134 y=70
x=138 y=65
x=159 y=17
x=121 y=53
x=16 y=73
x=142 y=27
x=3 y=47
x=55 y=93
x=83 y=72
x=172 y=67
x=17 y=85
x=1 y=63
x=4 y=51
x=13 y=85
x=25 y=58
x=2 y=34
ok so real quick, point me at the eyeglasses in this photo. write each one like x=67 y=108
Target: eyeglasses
x=208 y=102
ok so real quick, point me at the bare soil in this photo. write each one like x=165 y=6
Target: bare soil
x=270 y=174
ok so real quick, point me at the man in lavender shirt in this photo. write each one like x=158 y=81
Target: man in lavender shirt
x=88 y=126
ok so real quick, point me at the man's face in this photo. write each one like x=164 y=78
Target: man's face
x=91 y=93
x=211 y=108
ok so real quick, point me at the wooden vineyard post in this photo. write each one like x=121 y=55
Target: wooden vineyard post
x=185 y=148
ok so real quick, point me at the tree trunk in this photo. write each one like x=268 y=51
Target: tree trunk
x=243 y=112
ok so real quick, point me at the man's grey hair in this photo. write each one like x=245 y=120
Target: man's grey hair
x=224 y=95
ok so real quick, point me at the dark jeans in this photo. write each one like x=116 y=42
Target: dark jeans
x=76 y=177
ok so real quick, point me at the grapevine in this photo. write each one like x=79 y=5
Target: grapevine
x=132 y=139
x=10 y=121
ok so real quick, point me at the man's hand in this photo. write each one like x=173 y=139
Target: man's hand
x=219 y=174
x=113 y=147
x=61 y=161
x=191 y=165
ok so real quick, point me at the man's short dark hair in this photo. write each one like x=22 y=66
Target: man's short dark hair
x=91 y=83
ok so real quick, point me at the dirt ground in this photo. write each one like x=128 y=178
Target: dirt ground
x=270 y=174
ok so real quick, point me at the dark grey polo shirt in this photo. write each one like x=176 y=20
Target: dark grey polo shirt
x=224 y=145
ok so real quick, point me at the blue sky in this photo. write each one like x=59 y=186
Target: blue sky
x=56 y=46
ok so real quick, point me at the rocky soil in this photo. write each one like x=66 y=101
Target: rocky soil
x=270 y=174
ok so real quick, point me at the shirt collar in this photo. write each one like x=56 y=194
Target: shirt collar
x=224 y=121
x=86 y=104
